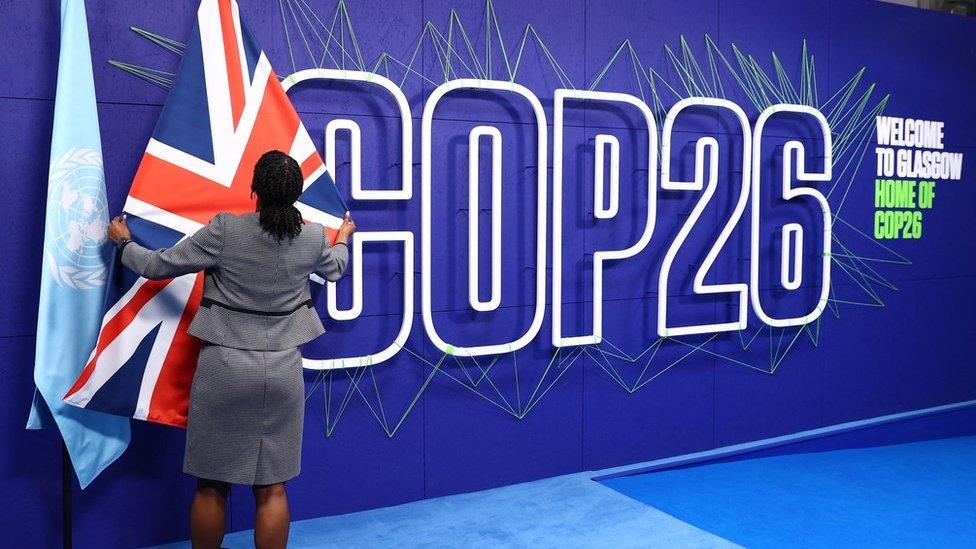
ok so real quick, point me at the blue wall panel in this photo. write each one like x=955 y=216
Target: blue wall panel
x=869 y=373
x=472 y=444
x=916 y=71
x=34 y=25
x=751 y=404
x=22 y=210
x=762 y=28
x=30 y=460
x=149 y=478
x=647 y=27
x=671 y=415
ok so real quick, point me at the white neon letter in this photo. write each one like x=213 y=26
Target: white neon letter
x=709 y=144
x=599 y=211
x=405 y=192
x=406 y=134
x=425 y=186
x=495 y=298
x=792 y=149
x=792 y=278
x=557 y=206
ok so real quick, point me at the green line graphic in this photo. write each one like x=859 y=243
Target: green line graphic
x=315 y=41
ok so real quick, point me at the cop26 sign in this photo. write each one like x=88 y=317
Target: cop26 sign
x=800 y=209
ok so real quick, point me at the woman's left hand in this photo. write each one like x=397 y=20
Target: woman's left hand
x=117 y=229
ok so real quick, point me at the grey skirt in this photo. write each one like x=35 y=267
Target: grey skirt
x=246 y=414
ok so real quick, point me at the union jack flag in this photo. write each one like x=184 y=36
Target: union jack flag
x=225 y=109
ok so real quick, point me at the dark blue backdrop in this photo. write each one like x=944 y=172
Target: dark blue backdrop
x=868 y=360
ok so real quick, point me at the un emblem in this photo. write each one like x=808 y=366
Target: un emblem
x=77 y=218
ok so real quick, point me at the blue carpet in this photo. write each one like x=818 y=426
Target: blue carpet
x=566 y=512
x=908 y=495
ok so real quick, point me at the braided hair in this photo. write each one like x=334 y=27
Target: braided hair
x=278 y=183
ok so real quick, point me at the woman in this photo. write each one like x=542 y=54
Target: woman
x=247 y=399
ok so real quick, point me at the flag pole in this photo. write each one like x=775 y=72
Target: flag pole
x=66 y=488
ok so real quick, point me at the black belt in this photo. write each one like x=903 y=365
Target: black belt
x=208 y=303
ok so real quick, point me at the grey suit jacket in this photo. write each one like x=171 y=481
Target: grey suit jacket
x=255 y=290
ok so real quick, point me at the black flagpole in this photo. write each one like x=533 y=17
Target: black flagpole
x=65 y=496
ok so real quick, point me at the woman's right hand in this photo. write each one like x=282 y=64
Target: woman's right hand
x=348 y=227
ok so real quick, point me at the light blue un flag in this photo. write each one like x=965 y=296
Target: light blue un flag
x=77 y=255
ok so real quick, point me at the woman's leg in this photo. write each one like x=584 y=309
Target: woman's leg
x=207 y=514
x=272 y=518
